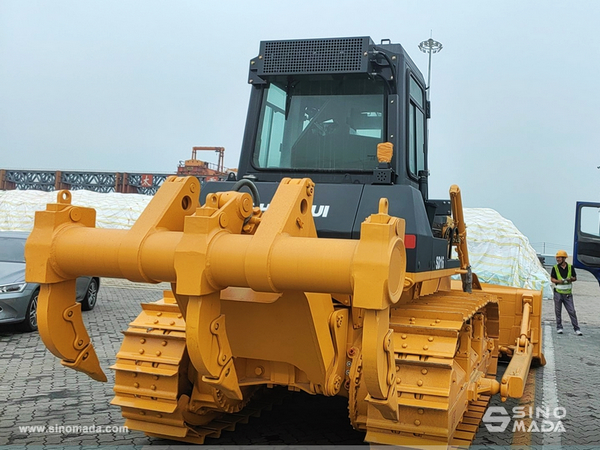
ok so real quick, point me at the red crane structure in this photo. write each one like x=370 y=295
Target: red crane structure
x=202 y=169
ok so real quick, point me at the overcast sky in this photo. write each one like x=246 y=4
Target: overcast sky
x=133 y=85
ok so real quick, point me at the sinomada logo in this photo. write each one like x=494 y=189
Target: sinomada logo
x=496 y=419
x=525 y=418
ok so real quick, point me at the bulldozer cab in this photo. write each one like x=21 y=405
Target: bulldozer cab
x=320 y=107
x=586 y=249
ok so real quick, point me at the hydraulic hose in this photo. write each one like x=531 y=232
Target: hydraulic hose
x=251 y=186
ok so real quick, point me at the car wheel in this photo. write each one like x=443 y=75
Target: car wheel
x=30 y=322
x=89 y=301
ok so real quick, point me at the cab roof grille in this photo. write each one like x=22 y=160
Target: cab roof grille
x=313 y=56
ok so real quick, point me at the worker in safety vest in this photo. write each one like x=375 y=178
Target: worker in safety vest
x=563 y=274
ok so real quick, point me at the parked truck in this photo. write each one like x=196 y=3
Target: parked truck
x=586 y=248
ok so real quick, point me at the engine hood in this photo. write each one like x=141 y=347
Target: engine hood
x=11 y=272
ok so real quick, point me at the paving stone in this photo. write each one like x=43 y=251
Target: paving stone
x=576 y=372
x=40 y=391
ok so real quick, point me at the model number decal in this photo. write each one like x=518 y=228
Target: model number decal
x=440 y=262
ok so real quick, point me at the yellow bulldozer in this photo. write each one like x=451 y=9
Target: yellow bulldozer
x=325 y=268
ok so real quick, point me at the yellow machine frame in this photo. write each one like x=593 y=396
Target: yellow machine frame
x=259 y=300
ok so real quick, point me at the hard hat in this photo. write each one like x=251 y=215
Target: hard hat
x=561 y=253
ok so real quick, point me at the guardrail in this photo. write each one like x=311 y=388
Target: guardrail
x=46 y=180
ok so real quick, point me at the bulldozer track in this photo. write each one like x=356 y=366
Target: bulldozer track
x=153 y=381
x=427 y=345
x=228 y=421
x=469 y=425
x=152 y=385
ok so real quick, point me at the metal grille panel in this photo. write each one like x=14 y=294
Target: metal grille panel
x=90 y=181
x=343 y=55
x=135 y=179
x=30 y=180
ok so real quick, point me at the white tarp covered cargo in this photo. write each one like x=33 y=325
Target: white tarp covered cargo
x=113 y=210
x=498 y=252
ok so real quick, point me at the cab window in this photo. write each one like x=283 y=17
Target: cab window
x=416 y=128
x=326 y=124
x=590 y=221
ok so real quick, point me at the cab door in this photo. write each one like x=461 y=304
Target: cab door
x=586 y=251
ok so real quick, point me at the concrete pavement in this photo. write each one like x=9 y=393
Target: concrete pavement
x=36 y=391
x=569 y=384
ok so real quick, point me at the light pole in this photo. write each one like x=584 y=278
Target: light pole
x=430 y=46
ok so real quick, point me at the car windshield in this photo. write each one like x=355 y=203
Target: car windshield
x=12 y=249
x=327 y=124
